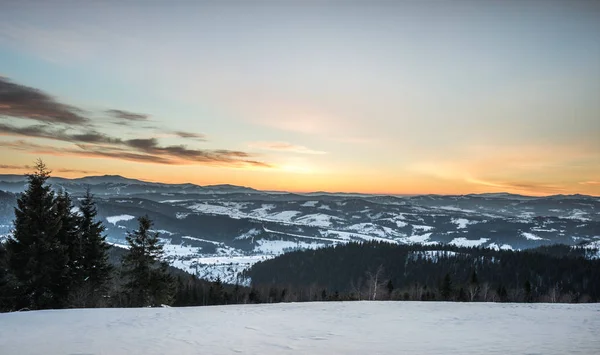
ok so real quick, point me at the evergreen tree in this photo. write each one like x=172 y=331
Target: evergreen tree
x=390 y=288
x=528 y=291
x=36 y=258
x=70 y=237
x=96 y=269
x=446 y=289
x=148 y=283
x=6 y=286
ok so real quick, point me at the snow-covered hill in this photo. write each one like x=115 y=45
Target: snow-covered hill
x=308 y=328
x=217 y=231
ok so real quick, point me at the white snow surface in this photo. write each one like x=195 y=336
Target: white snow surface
x=310 y=204
x=531 y=236
x=464 y=242
x=462 y=222
x=116 y=219
x=308 y=328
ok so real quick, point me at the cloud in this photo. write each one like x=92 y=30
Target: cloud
x=285 y=147
x=593 y=183
x=97 y=144
x=28 y=167
x=508 y=186
x=20 y=101
x=197 y=136
x=25 y=102
x=128 y=116
x=60 y=134
x=14 y=167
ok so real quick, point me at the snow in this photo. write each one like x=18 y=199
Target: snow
x=500 y=247
x=308 y=328
x=433 y=255
x=401 y=224
x=284 y=216
x=278 y=247
x=309 y=204
x=249 y=234
x=462 y=223
x=416 y=238
x=531 y=236
x=456 y=209
x=422 y=228
x=464 y=242
x=116 y=219
x=317 y=220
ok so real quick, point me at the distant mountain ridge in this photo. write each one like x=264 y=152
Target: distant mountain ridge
x=220 y=230
x=14 y=182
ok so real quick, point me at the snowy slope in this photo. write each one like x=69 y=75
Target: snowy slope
x=309 y=328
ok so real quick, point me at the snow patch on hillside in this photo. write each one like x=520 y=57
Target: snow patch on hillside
x=462 y=223
x=464 y=242
x=317 y=220
x=249 y=234
x=284 y=216
x=278 y=247
x=531 y=236
x=498 y=247
x=116 y=219
x=309 y=204
x=416 y=238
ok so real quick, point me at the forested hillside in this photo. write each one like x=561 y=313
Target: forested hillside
x=385 y=271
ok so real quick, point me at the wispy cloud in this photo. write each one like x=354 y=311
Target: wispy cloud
x=128 y=116
x=190 y=135
x=30 y=168
x=523 y=186
x=284 y=147
x=65 y=123
x=593 y=183
x=98 y=144
x=26 y=102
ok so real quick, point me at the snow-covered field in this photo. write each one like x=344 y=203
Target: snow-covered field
x=309 y=328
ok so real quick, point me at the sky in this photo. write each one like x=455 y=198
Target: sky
x=394 y=97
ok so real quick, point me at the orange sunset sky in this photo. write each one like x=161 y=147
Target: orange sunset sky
x=374 y=97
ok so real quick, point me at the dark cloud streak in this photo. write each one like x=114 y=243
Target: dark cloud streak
x=126 y=115
x=26 y=102
x=98 y=144
x=197 y=136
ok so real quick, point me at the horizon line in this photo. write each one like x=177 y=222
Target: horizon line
x=319 y=191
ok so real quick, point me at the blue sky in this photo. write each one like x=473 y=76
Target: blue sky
x=395 y=97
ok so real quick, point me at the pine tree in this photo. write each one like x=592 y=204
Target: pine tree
x=148 y=282
x=6 y=286
x=446 y=289
x=36 y=258
x=390 y=288
x=528 y=291
x=96 y=269
x=70 y=237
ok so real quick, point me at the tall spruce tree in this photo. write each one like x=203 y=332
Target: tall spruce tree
x=446 y=289
x=95 y=269
x=69 y=235
x=6 y=287
x=36 y=257
x=148 y=282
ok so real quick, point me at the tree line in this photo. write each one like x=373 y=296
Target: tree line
x=383 y=271
x=58 y=257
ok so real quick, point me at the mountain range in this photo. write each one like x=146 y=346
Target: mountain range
x=220 y=230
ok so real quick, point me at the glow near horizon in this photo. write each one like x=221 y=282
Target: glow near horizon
x=399 y=98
